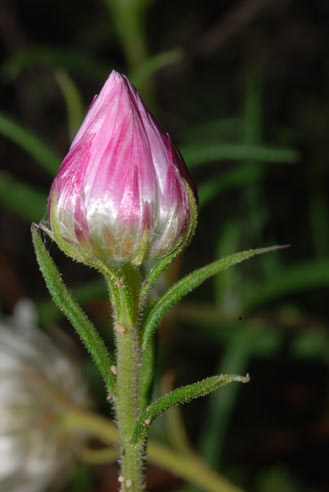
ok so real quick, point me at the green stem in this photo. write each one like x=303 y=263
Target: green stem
x=127 y=401
x=128 y=362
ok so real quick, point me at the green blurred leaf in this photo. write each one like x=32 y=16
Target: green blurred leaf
x=299 y=278
x=128 y=18
x=27 y=202
x=180 y=396
x=190 y=282
x=154 y=63
x=64 y=300
x=313 y=345
x=30 y=143
x=73 y=61
x=253 y=111
x=227 y=292
x=276 y=478
x=231 y=179
x=213 y=131
x=74 y=104
x=195 y=155
x=221 y=404
x=242 y=344
x=316 y=179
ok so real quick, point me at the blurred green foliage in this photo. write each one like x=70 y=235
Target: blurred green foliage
x=243 y=88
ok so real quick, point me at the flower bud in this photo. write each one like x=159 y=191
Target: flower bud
x=122 y=193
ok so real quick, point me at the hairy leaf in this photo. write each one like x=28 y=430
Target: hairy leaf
x=63 y=299
x=182 y=395
x=190 y=282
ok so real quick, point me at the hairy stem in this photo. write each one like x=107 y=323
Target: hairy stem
x=128 y=362
x=127 y=401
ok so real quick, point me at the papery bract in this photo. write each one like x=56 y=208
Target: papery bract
x=121 y=193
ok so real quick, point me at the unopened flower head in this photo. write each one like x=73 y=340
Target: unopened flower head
x=122 y=193
x=36 y=379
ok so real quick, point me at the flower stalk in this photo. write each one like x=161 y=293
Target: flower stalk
x=131 y=455
x=126 y=398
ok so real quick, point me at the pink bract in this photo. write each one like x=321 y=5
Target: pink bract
x=120 y=192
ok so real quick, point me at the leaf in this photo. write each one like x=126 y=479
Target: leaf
x=190 y=282
x=63 y=299
x=180 y=396
x=195 y=155
x=220 y=407
x=234 y=178
x=308 y=275
x=48 y=311
x=211 y=131
x=30 y=143
x=74 y=105
x=154 y=63
x=73 y=61
x=27 y=202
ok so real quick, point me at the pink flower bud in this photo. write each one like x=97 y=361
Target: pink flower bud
x=122 y=192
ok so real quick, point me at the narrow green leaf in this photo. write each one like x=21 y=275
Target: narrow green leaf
x=180 y=396
x=27 y=202
x=73 y=61
x=190 y=282
x=253 y=106
x=164 y=262
x=212 y=131
x=30 y=143
x=63 y=299
x=235 y=178
x=48 y=311
x=318 y=208
x=235 y=358
x=226 y=284
x=74 y=104
x=154 y=63
x=308 y=275
x=195 y=155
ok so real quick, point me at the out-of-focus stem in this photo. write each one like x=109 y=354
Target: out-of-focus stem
x=128 y=16
x=190 y=468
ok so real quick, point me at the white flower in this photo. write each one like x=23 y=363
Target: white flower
x=36 y=379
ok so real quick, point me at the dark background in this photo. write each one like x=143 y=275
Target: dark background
x=243 y=89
